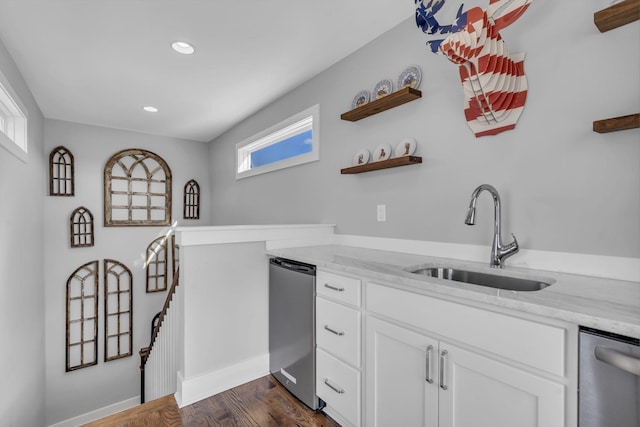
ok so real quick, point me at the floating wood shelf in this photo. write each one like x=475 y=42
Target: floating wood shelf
x=383 y=164
x=392 y=100
x=631 y=121
x=617 y=15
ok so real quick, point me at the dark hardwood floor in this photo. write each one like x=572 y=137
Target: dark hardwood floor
x=263 y=402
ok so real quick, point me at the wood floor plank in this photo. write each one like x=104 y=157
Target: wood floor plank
x=260 y=403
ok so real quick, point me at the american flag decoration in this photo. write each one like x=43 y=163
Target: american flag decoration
x=494 y=83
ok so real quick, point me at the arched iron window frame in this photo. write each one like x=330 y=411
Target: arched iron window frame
x=81 y=274
x=110 y=267
x=81 y=228
x=139 y=157
x=191 y=200
x=61 y=172
x=157 y=255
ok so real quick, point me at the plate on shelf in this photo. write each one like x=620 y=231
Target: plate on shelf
x=411 y=77
x=360 y=99
x=406 y=147
x=361 y=157
x=382 y=89
x=383 y=152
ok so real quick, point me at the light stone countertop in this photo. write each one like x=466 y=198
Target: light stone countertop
x=600 y=303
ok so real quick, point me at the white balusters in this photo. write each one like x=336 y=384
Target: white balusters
x=162 y=362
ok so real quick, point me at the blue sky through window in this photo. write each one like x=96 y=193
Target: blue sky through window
x=290 y=147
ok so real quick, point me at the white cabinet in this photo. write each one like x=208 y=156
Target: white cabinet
x=401 y=387
x=421 y=370
x=483 y=392
x=339 y=343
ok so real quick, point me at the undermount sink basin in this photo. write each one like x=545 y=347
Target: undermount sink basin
x=482 y=279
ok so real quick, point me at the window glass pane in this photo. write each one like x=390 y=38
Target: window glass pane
x=290 y=147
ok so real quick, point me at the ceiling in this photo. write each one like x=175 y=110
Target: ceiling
x=100 y=61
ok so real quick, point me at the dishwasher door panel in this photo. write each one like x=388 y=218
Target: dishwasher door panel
x=609 y=396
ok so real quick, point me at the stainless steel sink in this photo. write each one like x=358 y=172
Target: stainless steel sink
x=483 y=279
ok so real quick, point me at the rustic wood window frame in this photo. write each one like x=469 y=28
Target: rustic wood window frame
x=192 y=200
x=84 y=312
x=151 y=165
x=175 y=255
x=118 y=310
x=81 y=228
x=61 y=172
x=156 y=265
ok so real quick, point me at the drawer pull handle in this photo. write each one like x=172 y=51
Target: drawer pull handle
x=429 y=350
x=333 y=288
x=443 y=354
x=338 y=390
x=333 y=331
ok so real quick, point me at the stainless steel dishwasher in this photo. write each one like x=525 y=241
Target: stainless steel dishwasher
x=292 y=356
x=609 y=383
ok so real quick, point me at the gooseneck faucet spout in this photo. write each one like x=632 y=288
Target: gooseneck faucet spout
x=498 y=251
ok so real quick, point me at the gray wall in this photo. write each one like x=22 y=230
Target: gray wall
x=22 y=187
x=84 y=390
x=563 y=187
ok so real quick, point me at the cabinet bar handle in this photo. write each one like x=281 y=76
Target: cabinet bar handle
x=338 y=390
x=333 y=331
x=429 y=350
x=443 y=354
x=333 y=288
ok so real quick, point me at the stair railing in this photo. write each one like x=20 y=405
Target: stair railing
x=159 y=361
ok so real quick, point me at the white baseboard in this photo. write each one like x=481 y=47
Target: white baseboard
x=99 y=413
x=619 y=268
x=191 y=390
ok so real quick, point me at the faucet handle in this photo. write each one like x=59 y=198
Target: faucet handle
x=511 y=248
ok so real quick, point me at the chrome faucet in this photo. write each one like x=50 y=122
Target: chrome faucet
x=498 y=251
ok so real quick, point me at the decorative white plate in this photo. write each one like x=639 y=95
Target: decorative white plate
x=361 y=157
x=360 y=99
x=406 y=147
x=382 y=89
x=411 y=77
x=383 y=152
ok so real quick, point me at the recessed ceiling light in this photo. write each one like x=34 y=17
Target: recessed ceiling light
x=183 y=48
x=150 y=109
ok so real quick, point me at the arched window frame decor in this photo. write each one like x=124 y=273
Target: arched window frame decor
x=175 y=255
x=118 y=310
x=61 y=172
x=192 y=200
x=156 y=265
x=82 y=317
x=81 y=228
x=142 y=193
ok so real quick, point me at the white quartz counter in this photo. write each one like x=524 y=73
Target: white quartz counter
x=606 y=304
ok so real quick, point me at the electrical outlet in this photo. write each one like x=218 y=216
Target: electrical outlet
x=382 y=213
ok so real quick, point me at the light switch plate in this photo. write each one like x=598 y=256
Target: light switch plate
x=382 y=213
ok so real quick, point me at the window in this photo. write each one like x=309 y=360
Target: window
x=118 y=310
x=61 y=182
x=81 y=228
x=156 y=265
x=13 y=121
x=137 y=189
x=82 y=317
x=191 y=200
x=292 y=142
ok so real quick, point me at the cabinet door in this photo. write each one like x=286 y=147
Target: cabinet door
x=401 y=387
x=477 y=391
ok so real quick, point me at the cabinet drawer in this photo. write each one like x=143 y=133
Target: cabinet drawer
x=338 y=330
x=339 y=386
x=525 y=341
x=340 y=288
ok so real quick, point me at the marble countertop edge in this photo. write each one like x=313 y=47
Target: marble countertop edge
x=605 y=304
